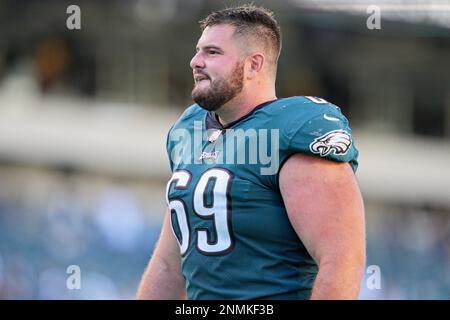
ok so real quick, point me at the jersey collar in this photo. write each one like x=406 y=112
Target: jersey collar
x=212 y=119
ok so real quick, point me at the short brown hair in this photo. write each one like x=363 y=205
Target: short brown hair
x=257 y=22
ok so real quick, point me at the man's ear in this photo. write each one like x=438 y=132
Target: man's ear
x=255 y=63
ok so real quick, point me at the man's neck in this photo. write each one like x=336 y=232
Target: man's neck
x=239 y=107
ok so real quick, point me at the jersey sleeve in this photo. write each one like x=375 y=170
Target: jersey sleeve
x=326 y=135
x=168 y=149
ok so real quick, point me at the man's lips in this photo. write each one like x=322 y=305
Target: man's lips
x=200 y=77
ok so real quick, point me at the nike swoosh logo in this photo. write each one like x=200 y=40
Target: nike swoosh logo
x=330 y=118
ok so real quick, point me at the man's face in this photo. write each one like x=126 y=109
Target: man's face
x=218 y=68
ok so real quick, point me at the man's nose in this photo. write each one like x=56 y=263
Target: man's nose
x=197 y=61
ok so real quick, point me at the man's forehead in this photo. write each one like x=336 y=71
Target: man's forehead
x=217 y=35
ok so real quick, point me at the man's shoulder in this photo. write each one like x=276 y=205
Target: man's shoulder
x=298 y=109
x=317 y=127
x=191 y=113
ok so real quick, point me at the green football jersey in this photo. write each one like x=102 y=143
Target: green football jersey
x=227 y=213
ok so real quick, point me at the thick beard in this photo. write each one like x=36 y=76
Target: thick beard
x=220 y=91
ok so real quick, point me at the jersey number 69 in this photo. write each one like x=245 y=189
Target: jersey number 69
x=214 y=184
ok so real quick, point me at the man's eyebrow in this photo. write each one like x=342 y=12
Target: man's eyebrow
x=209 y=48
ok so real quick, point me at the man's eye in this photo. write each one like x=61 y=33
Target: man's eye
x=213 y=52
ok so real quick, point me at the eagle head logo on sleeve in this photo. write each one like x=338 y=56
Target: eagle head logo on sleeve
x=337 y=141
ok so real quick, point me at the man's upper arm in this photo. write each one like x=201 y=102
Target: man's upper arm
x=325 y=207
x=167 y=248
x=163 y=278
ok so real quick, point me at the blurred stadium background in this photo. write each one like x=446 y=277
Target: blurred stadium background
x=84 y=115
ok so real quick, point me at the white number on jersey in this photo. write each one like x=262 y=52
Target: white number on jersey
x=218 y=211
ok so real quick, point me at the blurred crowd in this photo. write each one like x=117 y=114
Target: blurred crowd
x=411 y=246
x=49 y=221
